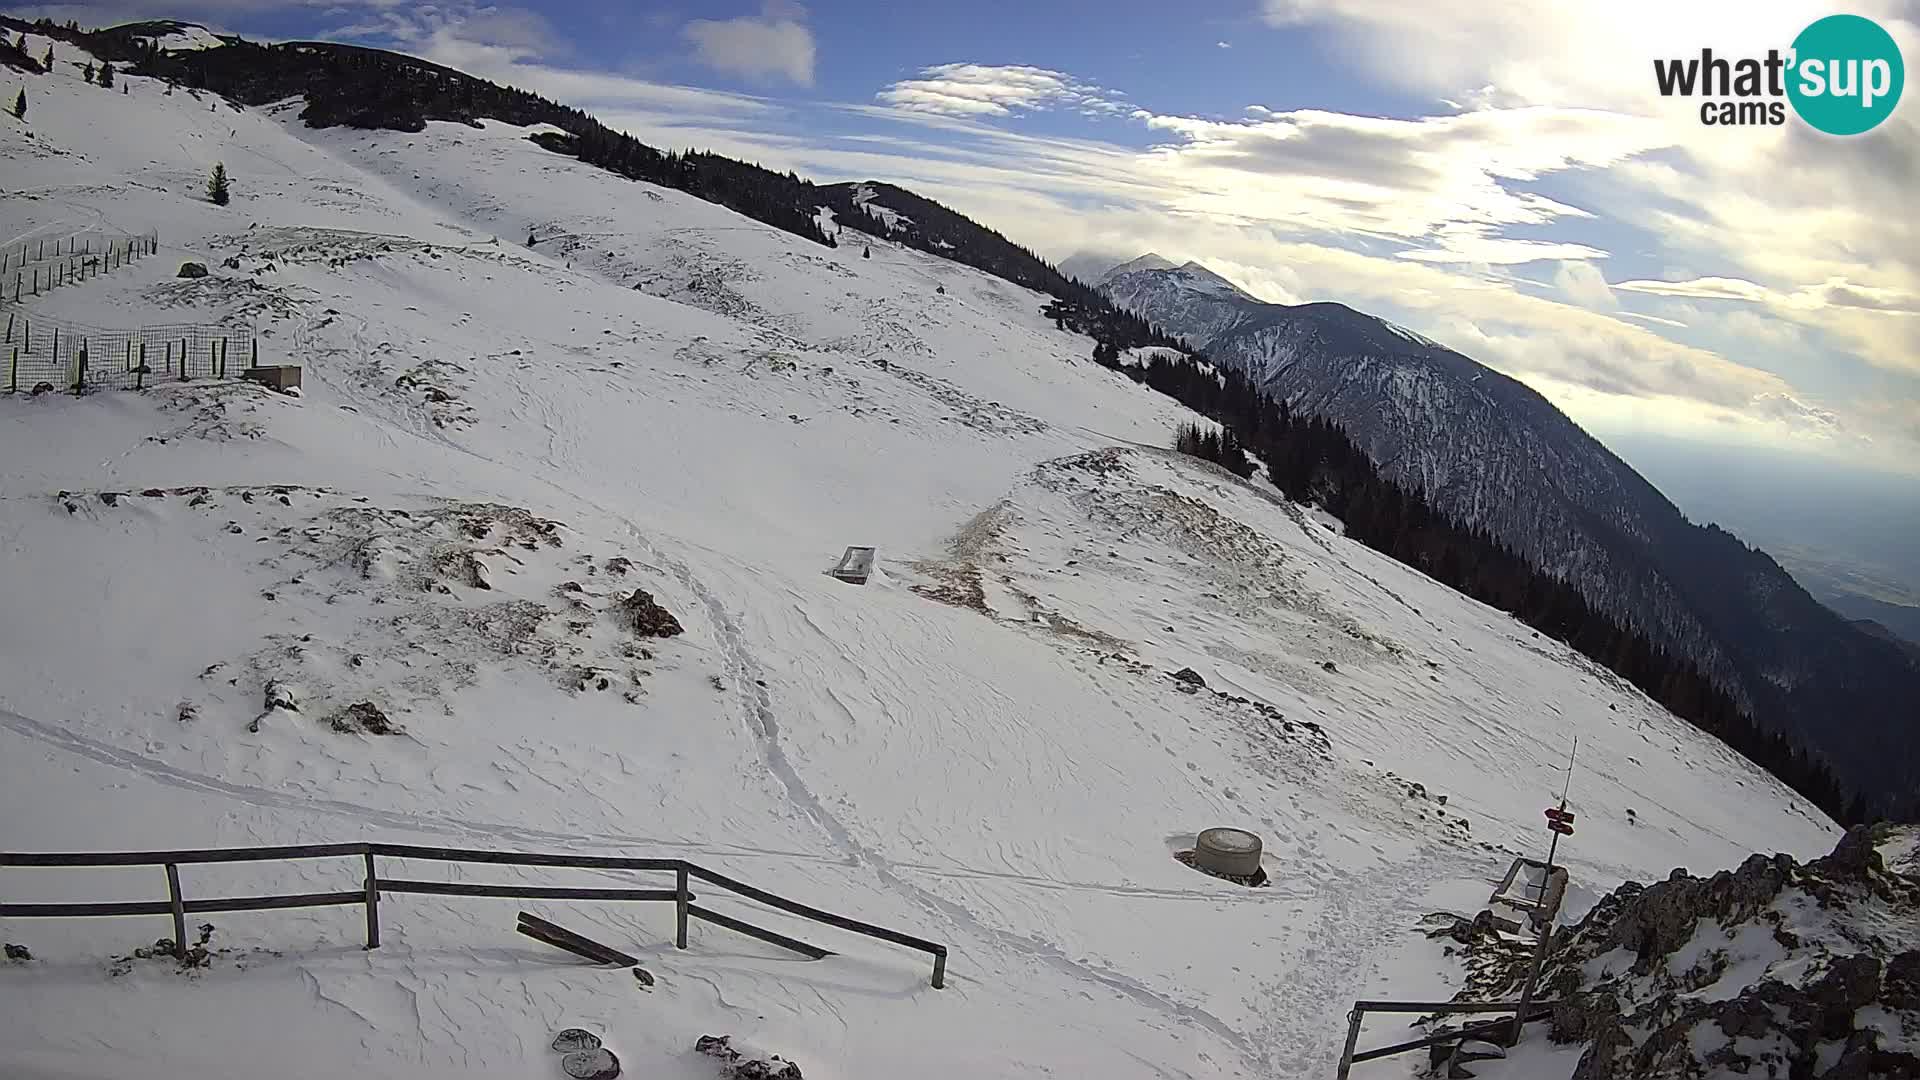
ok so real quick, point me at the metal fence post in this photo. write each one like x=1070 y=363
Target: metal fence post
x=179 y=912
x=373 y=905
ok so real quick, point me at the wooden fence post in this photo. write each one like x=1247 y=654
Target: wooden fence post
x=254 y=361
x=13 y=377
x=680 y=906
x=179 y=912
x=140 y=373
x=940 y=970
x=1353 y=1041
x=373 y=905
x=223 y=358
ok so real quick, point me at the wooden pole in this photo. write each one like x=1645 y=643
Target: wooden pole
x=140 y=373
x=179 y=912
x=13 y=377
x=940 y=970
x=1353 y=1041
x=680 y=907
x=373 y=905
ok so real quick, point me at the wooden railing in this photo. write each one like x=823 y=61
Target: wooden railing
x=1351 y=1056
x=373 y=886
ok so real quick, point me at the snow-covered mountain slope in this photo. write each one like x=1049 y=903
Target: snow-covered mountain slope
x=498 y=444
x=1493 y=453
x=1190 y=300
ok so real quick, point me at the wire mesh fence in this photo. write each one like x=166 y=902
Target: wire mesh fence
x=33 y=267
x=48 y=354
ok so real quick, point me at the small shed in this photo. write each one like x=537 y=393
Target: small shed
x=855 y=566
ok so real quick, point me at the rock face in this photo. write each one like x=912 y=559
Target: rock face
x=1773 y=969
x=645 y=617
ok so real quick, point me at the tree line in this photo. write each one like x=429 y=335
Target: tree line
x=1312 y=460
x=353 y=86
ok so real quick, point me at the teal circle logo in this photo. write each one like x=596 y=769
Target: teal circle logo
x=1846 y=75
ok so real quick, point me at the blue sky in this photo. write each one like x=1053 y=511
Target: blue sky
x=1502 y=178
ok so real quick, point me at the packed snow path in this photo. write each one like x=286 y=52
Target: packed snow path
x=982 y=745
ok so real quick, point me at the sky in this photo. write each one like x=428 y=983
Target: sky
x=1504 y=178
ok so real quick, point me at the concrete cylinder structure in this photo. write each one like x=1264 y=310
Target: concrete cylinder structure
x=1235 y=852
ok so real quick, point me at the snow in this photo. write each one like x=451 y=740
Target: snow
x=894 y=220
x=980 y=746
x=188 y=37
x=1411 y=335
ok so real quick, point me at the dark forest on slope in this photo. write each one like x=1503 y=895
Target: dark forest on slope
x=1313 y=460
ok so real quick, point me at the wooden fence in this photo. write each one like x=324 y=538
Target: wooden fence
x=373 y=887
x=1351 y=1055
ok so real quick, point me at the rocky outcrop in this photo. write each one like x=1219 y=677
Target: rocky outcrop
x=644 y=616
x=1827 y=954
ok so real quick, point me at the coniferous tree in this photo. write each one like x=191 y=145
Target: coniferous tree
x=47 y=60
x=106 y=76
x=87 y=71
x=20 y=104
x=217 y=185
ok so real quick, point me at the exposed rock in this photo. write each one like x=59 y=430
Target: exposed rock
x=1826 y=986
x=739 y=1067
x=1189 y=676
x=193 y=270
x=279 y=695
x=362 y=716
x=18 y=952
x=642 y=615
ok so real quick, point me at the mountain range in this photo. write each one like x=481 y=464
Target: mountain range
x=1492 y=453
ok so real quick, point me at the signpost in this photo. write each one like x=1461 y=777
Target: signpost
x=1560 y=823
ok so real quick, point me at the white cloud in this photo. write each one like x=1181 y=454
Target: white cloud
x=1583 y=283
x=775 y=44
x=974 y=90
x=1223 y=45
x=1704 y=288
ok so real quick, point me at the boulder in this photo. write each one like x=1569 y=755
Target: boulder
x=192 y=270
x=645 y=617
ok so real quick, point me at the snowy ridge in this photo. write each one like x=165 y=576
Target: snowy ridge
x=498 y=443
x=1491 y=452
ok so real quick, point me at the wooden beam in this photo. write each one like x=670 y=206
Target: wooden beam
x=520 y=858
x=814 y=913
x=562 y=938
x=811 y=952
x=521 y=892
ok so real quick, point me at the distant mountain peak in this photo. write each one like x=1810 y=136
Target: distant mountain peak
x=1149 y=261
